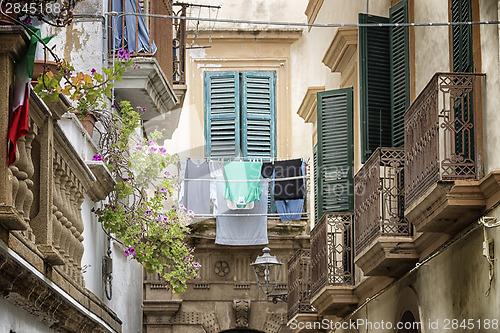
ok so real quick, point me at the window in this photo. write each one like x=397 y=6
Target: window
x=240 y=114
x=384 y=80
x=334 y=153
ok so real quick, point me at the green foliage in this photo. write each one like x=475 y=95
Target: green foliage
x=89 y=91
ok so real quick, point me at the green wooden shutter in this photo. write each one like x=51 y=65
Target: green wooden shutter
x=222 y=114
x=335 y=151
x=316 y=183
x=375 y=86
x=258 y=114
x=461 y=11
x=400 y=71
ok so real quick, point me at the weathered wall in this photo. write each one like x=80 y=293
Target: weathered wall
x=13 y=320
x=452 y=285
x=83 y=44
x=488 y=11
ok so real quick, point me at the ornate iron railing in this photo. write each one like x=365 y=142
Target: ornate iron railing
x=443 y=133
x=379 y=198
x=299 y=283
x=331 y=252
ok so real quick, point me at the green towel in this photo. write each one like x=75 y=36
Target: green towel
x=242 y=192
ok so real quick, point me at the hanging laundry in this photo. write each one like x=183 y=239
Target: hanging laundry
x=195 y=195
x=288 y=189
x=242 y=192
x=267 y=169
x=241 y=230
x=291 y=210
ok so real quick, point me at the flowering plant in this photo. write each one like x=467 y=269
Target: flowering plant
x=136 y=214
x=89 y=91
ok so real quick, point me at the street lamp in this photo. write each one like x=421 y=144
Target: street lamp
x=267 y=270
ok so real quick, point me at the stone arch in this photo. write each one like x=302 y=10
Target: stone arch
x=408 y=311
x=240 y=330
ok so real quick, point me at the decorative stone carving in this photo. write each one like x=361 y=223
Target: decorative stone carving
x=221 y=268
x=274 y=322
x=241 y=311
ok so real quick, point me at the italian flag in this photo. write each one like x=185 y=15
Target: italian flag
x=19 y=120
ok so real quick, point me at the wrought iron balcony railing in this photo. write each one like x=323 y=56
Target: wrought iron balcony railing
x=443 y=133
x=379 y=199
x=299 y=284
x=332 y=262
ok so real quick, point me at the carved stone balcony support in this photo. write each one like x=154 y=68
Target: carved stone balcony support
x=332 y=265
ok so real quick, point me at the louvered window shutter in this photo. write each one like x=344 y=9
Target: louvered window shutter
x=335 y=152
x=461 y=11
x=316 y=183
x=375 y=85
x=258 y=114
x=400 y=71
x=222 y=114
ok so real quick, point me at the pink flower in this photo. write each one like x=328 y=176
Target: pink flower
x=196 y=264
x=97 y=158
x=163 y=151
x=123 y=53
x=92 y=71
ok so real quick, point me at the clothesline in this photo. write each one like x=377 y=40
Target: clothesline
x=249 y=214
x=245 y=159
x=245 y=180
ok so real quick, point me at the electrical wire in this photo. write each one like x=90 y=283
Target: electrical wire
x=313 y=25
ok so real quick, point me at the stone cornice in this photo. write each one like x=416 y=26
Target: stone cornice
x=283 y=35
x=342 y=49
x=307 y=109
x=312 y=10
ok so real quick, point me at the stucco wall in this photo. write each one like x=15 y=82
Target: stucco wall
x=452 y=285
x=488 y=11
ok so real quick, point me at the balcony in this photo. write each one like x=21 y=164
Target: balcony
x=158 y=48
x=299 y=288
x=41 y=224
x=383 y=242
x=332 y=265
x=444 y=185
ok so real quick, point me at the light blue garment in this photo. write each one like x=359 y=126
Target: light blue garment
x=241 y=230
x=130 y=28
x=289 y=209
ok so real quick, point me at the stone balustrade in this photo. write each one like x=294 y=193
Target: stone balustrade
x=47 y=185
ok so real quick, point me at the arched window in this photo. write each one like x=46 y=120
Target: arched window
x=408 y=323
